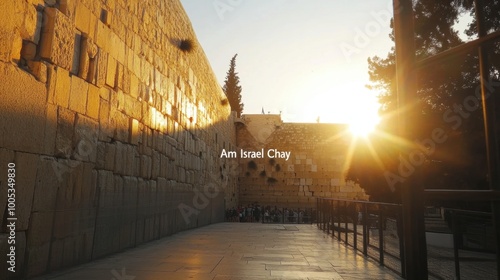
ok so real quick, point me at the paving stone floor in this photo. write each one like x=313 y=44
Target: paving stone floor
x=234 y=251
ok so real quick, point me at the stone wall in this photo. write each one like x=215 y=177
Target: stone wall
x=316 y=167
x=114 y=121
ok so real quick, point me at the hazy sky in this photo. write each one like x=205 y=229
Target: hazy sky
x=303 y=58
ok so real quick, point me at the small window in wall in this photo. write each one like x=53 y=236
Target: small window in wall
x=76 y=53
x=104 y=16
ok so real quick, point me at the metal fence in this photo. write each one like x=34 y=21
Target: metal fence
x=375 y=230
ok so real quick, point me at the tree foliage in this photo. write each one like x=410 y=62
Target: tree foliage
x=449 y=151
x=232 y=87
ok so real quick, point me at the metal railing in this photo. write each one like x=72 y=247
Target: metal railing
x=376 y=230
x=365 y=226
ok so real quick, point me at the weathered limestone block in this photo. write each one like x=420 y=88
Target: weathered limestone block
x=145 y=166
x=93 y=102
x=126 y=80
x=85 y=138
x=58 y=36
x=103 y=36
x=119 y=158
x=22 y=115
x=6 y=43
x=119 y=75
x=39 y=70
x=47 y=184
x=50 y=129
x=155 y=168
x=134 y=86
x=65 y=129
x=78 y=95
x=12 y=15
x=109 y=156
x=128 y=225
x=120 y=124
x=38 y=243
x=32 y=23
x=101 y=67
x=62 y=88
x=130 y=157
x=133 y=107
x=105 y=129
x=134 y=134
x=82 y=18
x=105 y=93
x=26 y=164
x=111 y=72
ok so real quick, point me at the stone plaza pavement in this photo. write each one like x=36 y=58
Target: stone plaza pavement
x=234 y=251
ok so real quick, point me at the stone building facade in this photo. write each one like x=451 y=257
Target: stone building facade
x=316 y=165
x=114 y=120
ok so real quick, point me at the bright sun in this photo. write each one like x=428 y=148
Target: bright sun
x=339 y=101
x=362 y=127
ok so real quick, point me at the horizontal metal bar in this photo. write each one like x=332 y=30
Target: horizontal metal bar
x=359 y=201
x=465 y=195
x=465 y=47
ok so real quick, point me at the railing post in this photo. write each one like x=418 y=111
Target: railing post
x=346 y=224
x=365 y=230
x=355 y=227
x=381 y=236
x=332 y=220
x=399 y=225
x=339 y=217
x=455 y=228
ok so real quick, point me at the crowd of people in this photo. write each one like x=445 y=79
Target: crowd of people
x=268 y=214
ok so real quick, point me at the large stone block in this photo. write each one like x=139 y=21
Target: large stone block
x=38 y=242
x=120 y=123
x=105 y=129
x=65 y=130
x=26 y=168
x=78 y=95
x=101 y=67
x=85 y=138
x=12 y=15
x=93 y=102
x=111 y=72
x=58 y=38
x=32 y=24
x=47 y=184
x=22 y=115
x=62 y=88
x=82 y=18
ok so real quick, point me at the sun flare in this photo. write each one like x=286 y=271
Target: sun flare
x=363 y=127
